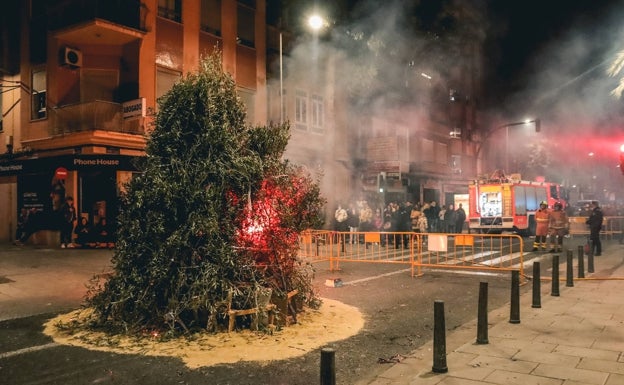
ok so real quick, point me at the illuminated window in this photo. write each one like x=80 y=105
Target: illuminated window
x=38 y=94
x=301 y=110
x=317 y=113
x=246 y=26
x=211 y=16
x=170 y=9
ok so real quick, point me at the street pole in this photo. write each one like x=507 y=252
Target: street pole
x=281 y=69
x=507 y=172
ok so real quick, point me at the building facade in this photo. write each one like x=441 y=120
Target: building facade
x=80 y=83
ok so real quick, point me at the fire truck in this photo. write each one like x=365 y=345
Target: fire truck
x=499 y=203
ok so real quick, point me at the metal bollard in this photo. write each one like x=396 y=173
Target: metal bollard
x=581 y=262
x=514 y=313
x=555 y=276
x=439 y=338
x=328 y=366
x=569 y=269
x=482 y=318
x=590 y=262
x=537 y=295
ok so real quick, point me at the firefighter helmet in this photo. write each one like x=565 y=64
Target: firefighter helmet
x=558 y=206
x=544 y=203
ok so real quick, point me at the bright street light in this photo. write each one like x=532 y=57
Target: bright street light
x=316 y=22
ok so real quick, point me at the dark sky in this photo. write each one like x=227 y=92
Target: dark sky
x=523 y=33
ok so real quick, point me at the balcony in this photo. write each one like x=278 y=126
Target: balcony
x=91 y=116
x=102 y=22
x=126 y=13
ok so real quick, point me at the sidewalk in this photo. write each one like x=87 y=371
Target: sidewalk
x=574 y=339
x=37 y=279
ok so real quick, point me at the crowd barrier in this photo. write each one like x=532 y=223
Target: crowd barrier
x=612 y=226
x=432 y=250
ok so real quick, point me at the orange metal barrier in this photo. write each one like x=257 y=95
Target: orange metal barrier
x=449 y=251
x=611 y=226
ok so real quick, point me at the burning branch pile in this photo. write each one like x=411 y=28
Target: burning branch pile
x=211 y=222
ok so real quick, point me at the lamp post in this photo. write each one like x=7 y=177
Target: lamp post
x=315 y=23
x=281 y=83
x=506 y=127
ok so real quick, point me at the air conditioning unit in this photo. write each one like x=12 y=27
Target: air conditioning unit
x=72 y=57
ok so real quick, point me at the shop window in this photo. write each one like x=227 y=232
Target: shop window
x=211 y=16
x=301 y=110
x=246 y=26
x=317 y=113
x=170 y=9
x=38 y=94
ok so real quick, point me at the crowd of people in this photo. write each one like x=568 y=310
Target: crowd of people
x=399 y=217
x=74 y=232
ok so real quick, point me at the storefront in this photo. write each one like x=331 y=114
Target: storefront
x=43 y=183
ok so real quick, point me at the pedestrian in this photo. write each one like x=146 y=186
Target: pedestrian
x=341 y=227
x=83 y=233
x=541 y=229
x=68 y=218
x=558 y=226
x=595 y=225
x=353 y=220
x=460 y=218
x=450 y=216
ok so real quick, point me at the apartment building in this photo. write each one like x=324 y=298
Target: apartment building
x=80 y=83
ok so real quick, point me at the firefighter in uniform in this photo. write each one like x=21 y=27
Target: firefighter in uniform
x=541 y=230
x=558 y=226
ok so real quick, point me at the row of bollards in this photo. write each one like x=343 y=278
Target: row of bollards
x=328 y=367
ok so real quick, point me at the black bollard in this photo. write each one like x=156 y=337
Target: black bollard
x=569 y=269
x=439 y=338
x=514 y=313
x=482 y=318
x=537 y=295
x=581 y=262
x=328 y=366
x=590 y=262
x=555 y=276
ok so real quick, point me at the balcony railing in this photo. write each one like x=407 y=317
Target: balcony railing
x=70 y=12
x=90 y=116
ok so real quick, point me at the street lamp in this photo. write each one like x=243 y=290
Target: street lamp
x=506 y=127
x=316 y=23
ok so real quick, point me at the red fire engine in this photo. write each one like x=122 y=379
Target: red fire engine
x=501 y=203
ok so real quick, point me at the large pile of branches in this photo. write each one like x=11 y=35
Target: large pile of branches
x=213 y=218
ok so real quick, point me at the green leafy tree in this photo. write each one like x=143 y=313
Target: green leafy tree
x=213 y=218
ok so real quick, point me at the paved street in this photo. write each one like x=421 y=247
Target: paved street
x=37 y=283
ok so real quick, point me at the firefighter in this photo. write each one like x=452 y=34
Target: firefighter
x=558 y=226
x=541 y=230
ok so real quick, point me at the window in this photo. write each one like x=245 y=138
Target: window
x=246 y=26
x=165 y=79
x=248 y=97
x=456 y=164
x=38 y=94
x=170 y=9
x=211 y=16
x=317 y=116
x=301 y=110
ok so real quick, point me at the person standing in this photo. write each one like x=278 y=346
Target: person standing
x=460 y=218
x=341 y=227
x=68 y=212
x=558 y=225
x=450 y=217
x=541 y=230
x=595 y=225
x=353 y=220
